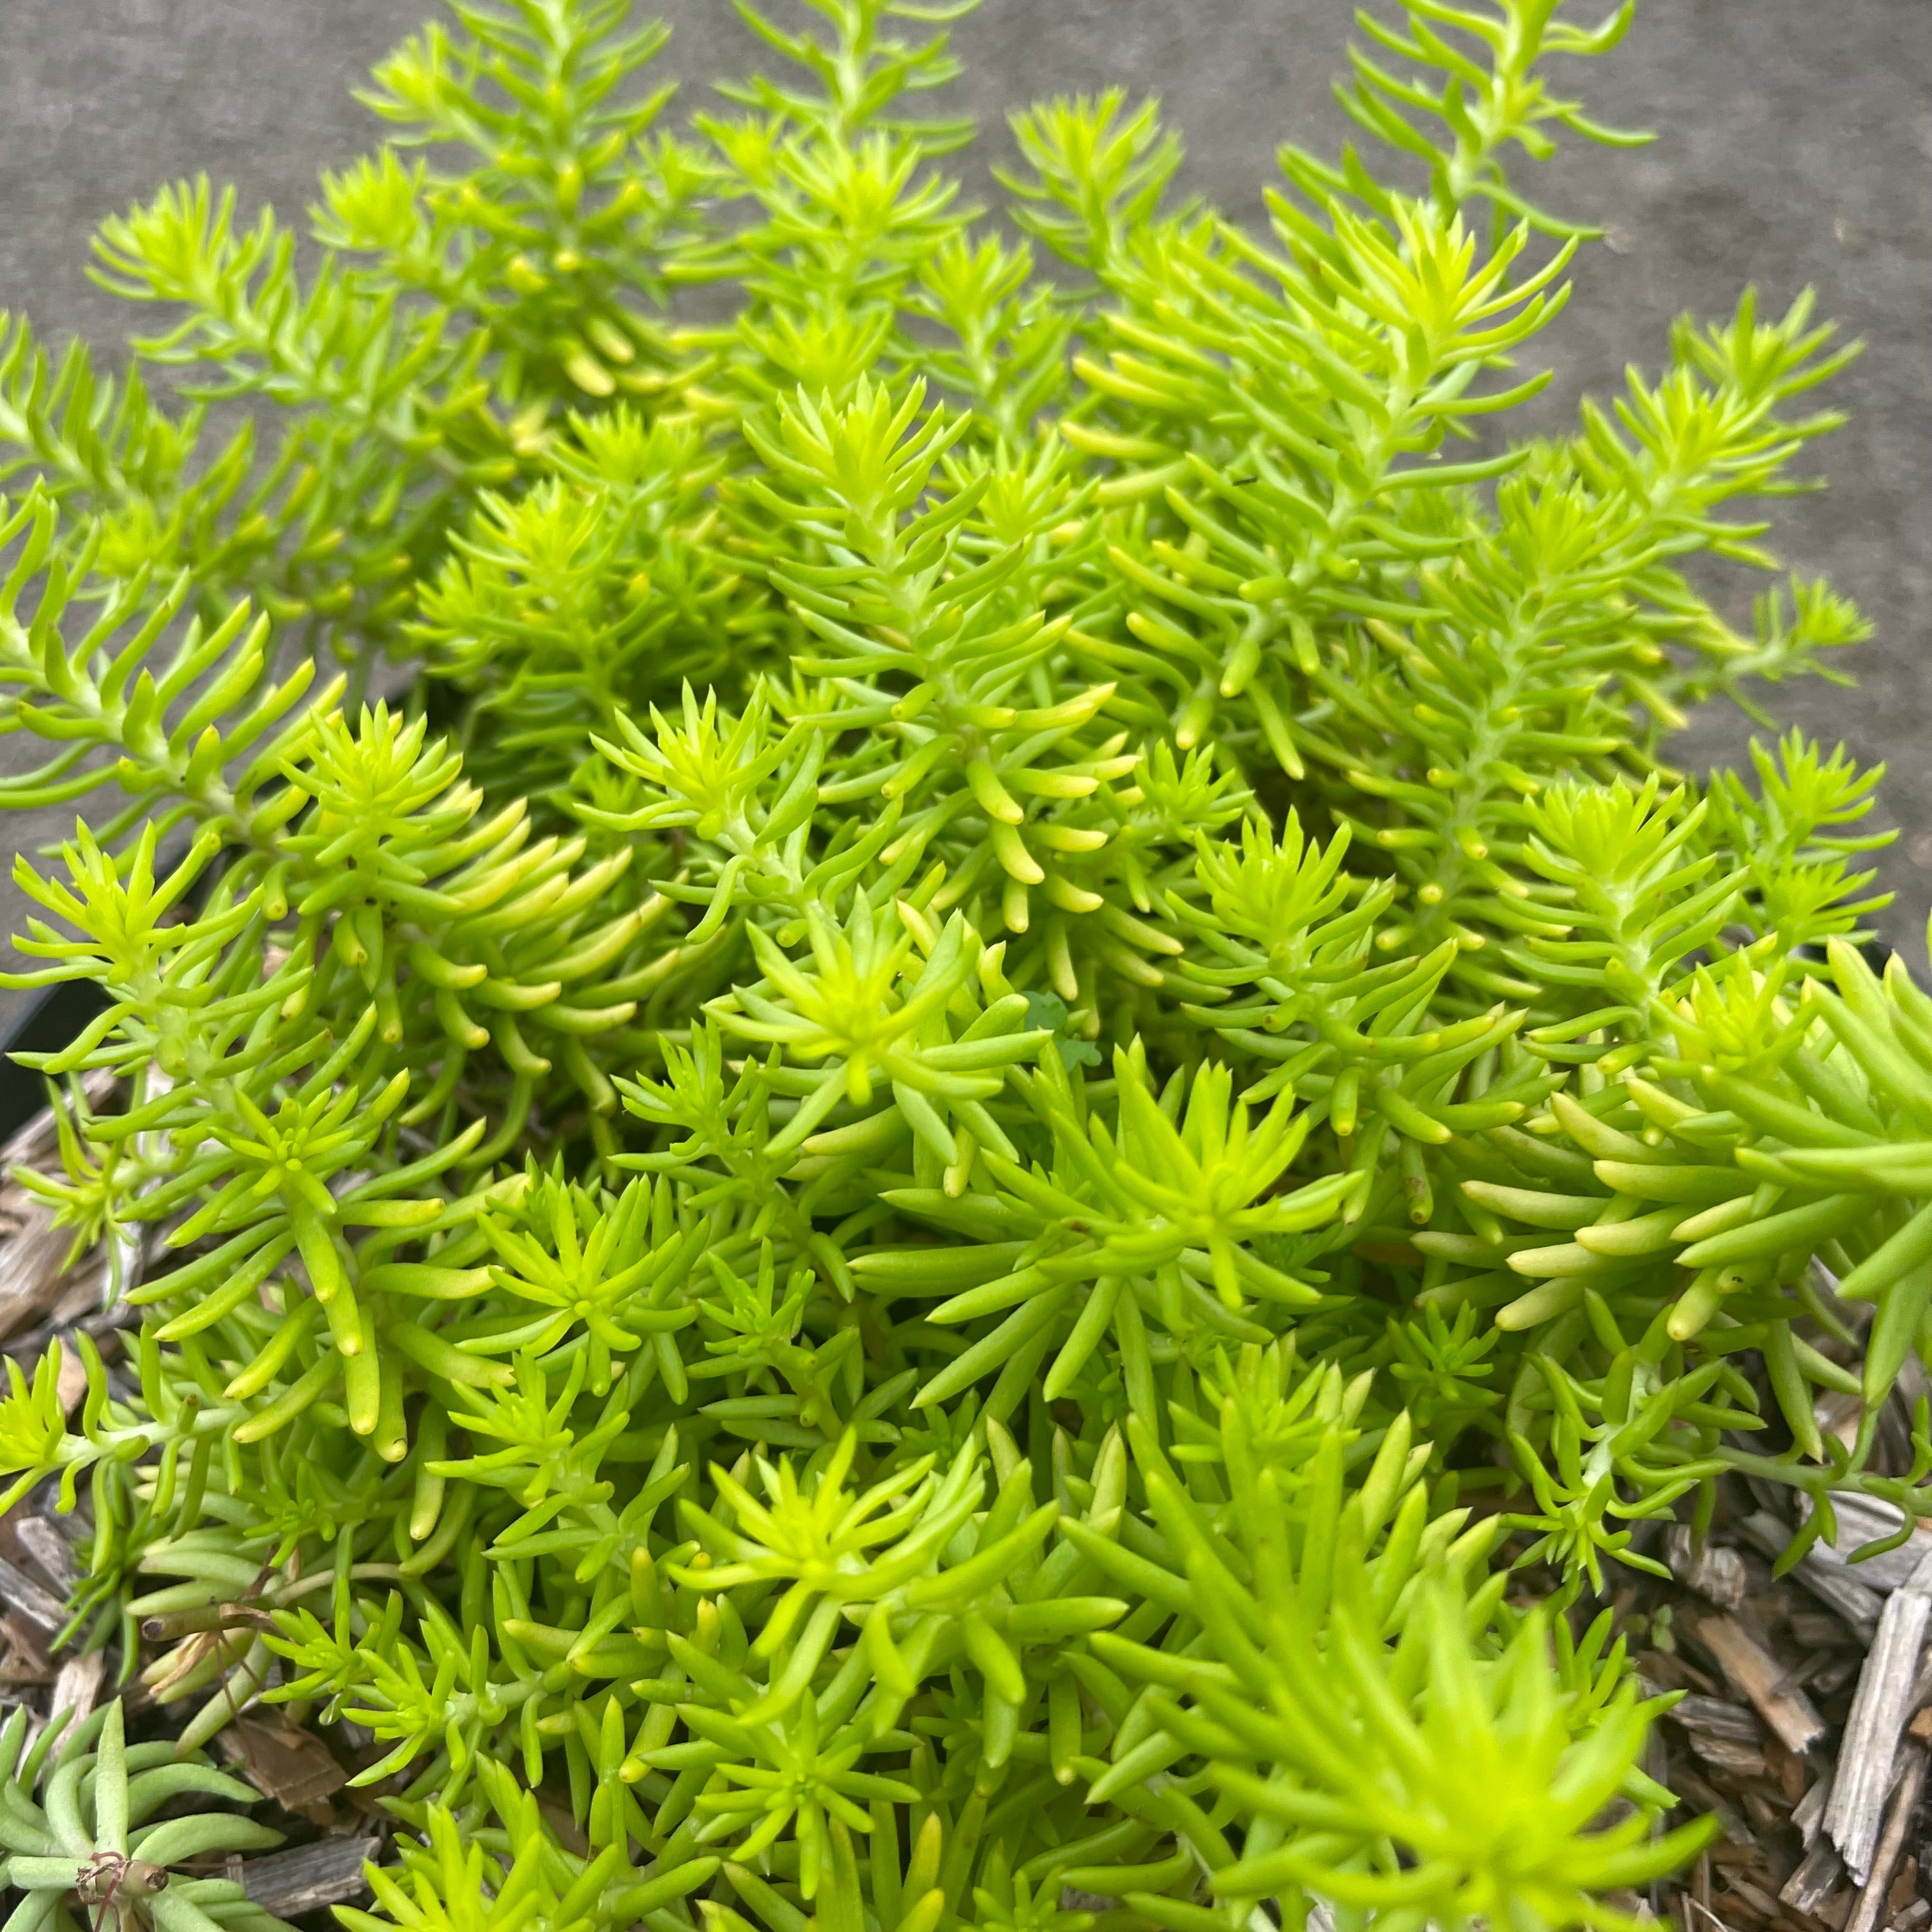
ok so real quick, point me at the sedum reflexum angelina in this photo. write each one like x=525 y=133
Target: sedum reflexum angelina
x=914 y=1090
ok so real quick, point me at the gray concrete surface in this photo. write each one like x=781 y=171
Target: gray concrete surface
x=1796 y=148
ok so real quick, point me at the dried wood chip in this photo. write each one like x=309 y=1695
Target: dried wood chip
x=1904 y=1887
x=38 y=1141
x=1700 y=1879
x=1815 y=1879
x=1914 y=1916
x=1836 y=1675
x=1762 y=1903
x=1707 y=1798
x=1880 y=1709
x=26 y=1660
x=1826 y=1577
x=1671 y=1670
x=1819 y=1630
x=36 y=1284
x=1863 y=1519
x=72 y=1385
x=311 y=1876
x=1717 y=1575
x=20 y=1593
x=1795 y=1775
x=77 y=1685
x=51 y=1554
x=1073 y=1899
x=1726 y=1755
x=1752 y=1669
x=1713 y=1717
x=1872 y=1899
x=293 y=1767
x=33 y=1261
x=1821 y=1668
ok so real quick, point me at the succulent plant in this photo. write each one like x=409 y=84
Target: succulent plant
x=91 y=1849
x=947 y=1052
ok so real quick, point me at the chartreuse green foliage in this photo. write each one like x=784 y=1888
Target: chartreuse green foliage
x=898 y=1209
